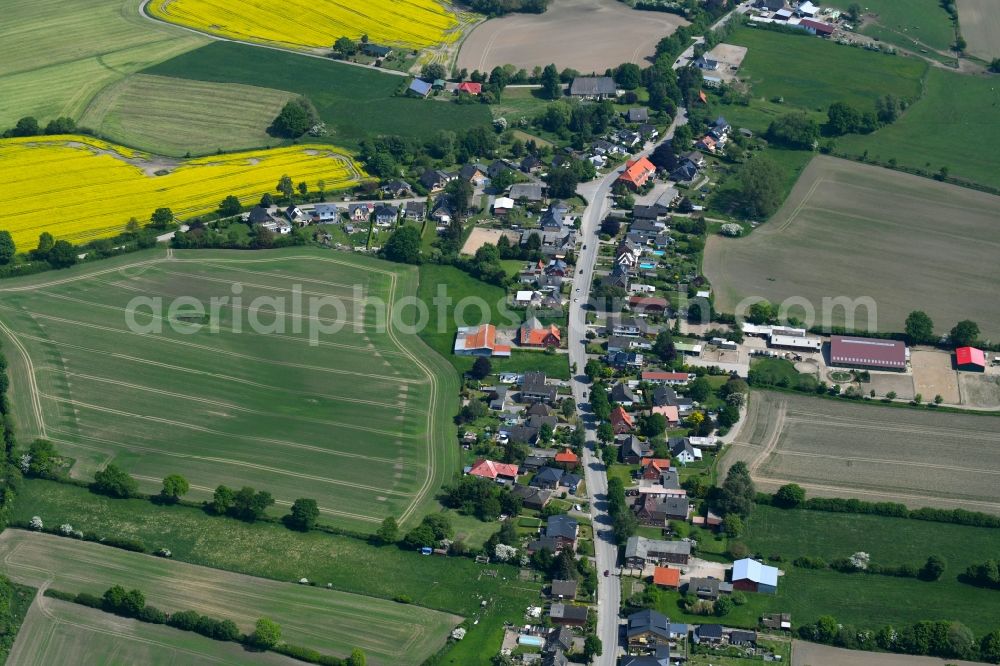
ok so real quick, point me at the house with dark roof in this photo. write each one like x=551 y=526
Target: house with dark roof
x=534 y=388
x=646 y=629
x=684 y=173
x=743 y=638
x=708 y=588
x=415 y=210
x=637 y=115
x=374 y=50
x=359 y=212
x=531 y=496
x=549 y=478
x=560 y=638
x=661 y=657
x=325 y=213
x=593 y=87
x=568 y=614
x=563 y=589
x=623 y=395
x=396 y=188
x=710 y=634
x=435 y=179
x=656 y=510
x=640 y=551
x=633 y=449
x=419 y=88
x=531 y=164
x=543 y=543
x=259 y=215
x=526 y=191
x=563 y=529
x=474 y=173
x=555 y=658
x=618 y=278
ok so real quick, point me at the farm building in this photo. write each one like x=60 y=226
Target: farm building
x=479 y=341
x=868 y=353
x=970 y=359
x=816 y=27
x=419 y=88
x=640 y=551
x=793 y=338
x=666 y=378
x=752 y=576
x=533 y=334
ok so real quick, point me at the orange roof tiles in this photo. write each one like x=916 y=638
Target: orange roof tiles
x=667 y=577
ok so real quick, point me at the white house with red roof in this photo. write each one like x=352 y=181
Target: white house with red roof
x=494 y=471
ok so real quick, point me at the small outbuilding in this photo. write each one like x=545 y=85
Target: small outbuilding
x=970 y=359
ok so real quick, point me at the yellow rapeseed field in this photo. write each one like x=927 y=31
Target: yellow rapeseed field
x=315 y=23
x=78 y=188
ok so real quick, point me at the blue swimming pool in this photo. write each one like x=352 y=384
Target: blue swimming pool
x=531 y=640
x=659 y=253
x=647 y=266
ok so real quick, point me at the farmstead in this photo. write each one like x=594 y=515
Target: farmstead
x=100 y=186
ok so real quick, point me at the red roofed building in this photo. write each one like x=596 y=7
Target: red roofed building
x=653 y=467
x=479 y=341
x=970 y=359
x=470 y=87
x=647 y=304
x=867 y=353
x=669 y=412
x=661 y=377
x=621 y=421
x=816 y=27
x=637 y=172
x=567 y=459
x=667 y=577
x=494 y=471
x=533 y=334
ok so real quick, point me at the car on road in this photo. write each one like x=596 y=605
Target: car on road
x=606 y=573
x=578 y=290
x=585 y=247
x=576 y=300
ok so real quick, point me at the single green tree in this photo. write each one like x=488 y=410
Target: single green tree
x=388 y=532
x=114 y=481
x=605 y=433
x=345 y=46
x=45 y=244
x=285 y=186
x=303 y=514
x=592 y=647
x=266 y=634
x=403 y=245
x=919 y=328
x=733 y=526
x=357 y=658
x=933 y=568
x=222 y=500
x=62 y=254
x=481 y=368
x=790 y=496
x=162 y=218
x=7 y=247
x=175 y=486
x=551 y=85
x=964 y=333
x=230 y=206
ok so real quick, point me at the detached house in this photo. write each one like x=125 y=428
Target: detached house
x=385 y=216
x=494 y=471
x=646 y=630
x=563 y=529
x=325 y=213
x=637 y=173
x=533 y=334
x=360 y=212
x=621 y=421
x=415 y=210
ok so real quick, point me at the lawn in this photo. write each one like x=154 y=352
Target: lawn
x=953 y=111
x=59 y=54
x=343 y=410
x=330 y=621
x=914 y=24
x=810 y=250
x=355 y=103
x=61 y=632
x=267 y=550
x=473 y=302
x=169 y=116
x=812 y=73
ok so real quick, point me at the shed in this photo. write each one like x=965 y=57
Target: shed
x=970 y=359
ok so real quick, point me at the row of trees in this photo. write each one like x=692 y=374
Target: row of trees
x=28 y=126
x=623 y=521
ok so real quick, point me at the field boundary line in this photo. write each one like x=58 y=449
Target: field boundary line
x=33 y=391
x=899 y=427
x=908 y=463
x=847 y=491
x=772 y=442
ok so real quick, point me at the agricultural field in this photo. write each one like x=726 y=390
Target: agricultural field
x=322 y=402
x=329 y=621
x=913 y=25
x=810 y=249
x=78 y=188
x=581 y=34
x=954 y=111
x=314 y=24
x=980 y=23
x=175 y=117
x=875 y=453
x=59 y=54
x=810 y=73
x=816 y=654
x=61 y=632
x=355 y=103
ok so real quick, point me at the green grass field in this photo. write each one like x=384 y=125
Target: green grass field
x=956 y=110
x=361 y=421
x=61 y=632
x=268 y=550
x=914 y=24
x=459 y=286
x=330 y=621
x=59 y=54
x=172 y=117
x=812 y=73
x=355 y=103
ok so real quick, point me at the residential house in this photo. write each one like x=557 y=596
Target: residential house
x=259 y=215
x=535 y=462
x=625 y=326
x=374 y=50
x=669 y=412
x=657 y=509
x=645 y=220
x=568 y=614
x=474 y=174
x=499 y=398
x=753 y=576
x=567 y=459
x=435 y=179
x=652 y=468
x=420 y=88
x=593 y=87
x=694 y=158
x=295 y=215
x=685 y=173
x=660 y=657
x=637 y=173
x=618 y=343
x=563 y=589
x=499 y=166
x=469 y=87
x=708 y=143
x=563 y=529
x=543 y=543
x=555 y=217
x=632 y=450
x=817 y=27
x=359 y=212
x=708 y=588
x=682 y=451
x=494 y=471
x=627 y=255
x=534 y=388
x=396 y=188
x=781 y=621
x=532 y=497
x=531 y=164
x=621 y=421
x=442 y=210
x=640 y=551
x=707 y=64
x=637 y=115
x=521 y=434
x=623 y=395
x=533 y=334
x=479 y=341
x=325 y=213
x=648 y=132
x=527 y=192
x=618 y=278
x=647 y=629
x=625 y=360
x=648 y=304
x=678 y=631
x=555 y=658
x=385 y=215
x=664 y=378
x=710 y=634
x=538 y=409
x=664 y=395
x=628 y=138
x=559 y=639
x=547 y=478
x=558 y=268
x=743 y=638
x=667 y=577
x=605 y=147
x=415 y=210
x=502 y=205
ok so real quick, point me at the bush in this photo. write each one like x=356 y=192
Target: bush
x=153 y=615
x=184 y=620
x=809 y=562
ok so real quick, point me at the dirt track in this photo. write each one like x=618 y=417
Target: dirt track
x=586 y=35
